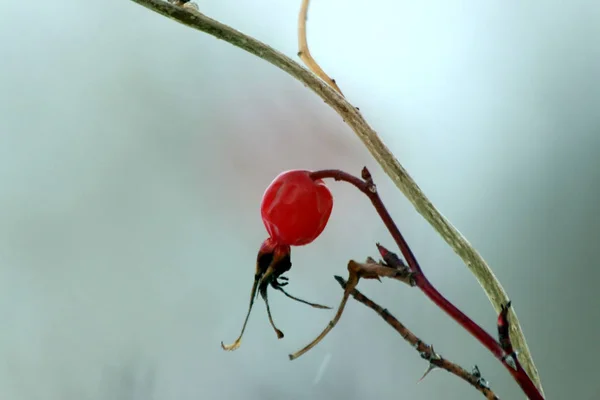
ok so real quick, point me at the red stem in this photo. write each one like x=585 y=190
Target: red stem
x=367 y=186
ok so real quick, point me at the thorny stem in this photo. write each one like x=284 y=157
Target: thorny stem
x=367 y=186
x=380 y=152
x=426 y=351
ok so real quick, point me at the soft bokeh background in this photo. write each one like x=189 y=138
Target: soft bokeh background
x=133 y=156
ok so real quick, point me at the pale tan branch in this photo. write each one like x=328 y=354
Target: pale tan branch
x=304 y=52
x=376 y=147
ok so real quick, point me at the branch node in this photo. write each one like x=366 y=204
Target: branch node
x=476 y=373
x=429 y=354
x=191 y=6
x=392 y=259
x=510 y=360
x=504 y=329
x=483 y=383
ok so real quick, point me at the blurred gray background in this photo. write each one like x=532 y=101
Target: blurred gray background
x=134 y=152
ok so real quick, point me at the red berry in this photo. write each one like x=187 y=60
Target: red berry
x=296 y=208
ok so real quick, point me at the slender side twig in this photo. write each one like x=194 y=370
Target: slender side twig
x=353 y=118
x=304 y=52
x=367 y=186
x=426 y=351
x=355 y=272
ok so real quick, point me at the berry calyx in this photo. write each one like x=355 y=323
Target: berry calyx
x=295 y=208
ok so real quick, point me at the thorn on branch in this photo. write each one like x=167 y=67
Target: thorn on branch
x=510 y=360
x=430 y=355
x=430 y=368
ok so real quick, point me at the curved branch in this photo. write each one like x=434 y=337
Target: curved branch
x=350 y=114
x=304 y=52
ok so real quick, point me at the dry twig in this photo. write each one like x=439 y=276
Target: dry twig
x=425 y=351
x=355 y=272
x=372 y=270
x=304 y=52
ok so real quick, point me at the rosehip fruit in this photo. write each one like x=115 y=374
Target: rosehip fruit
x=295 y=209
